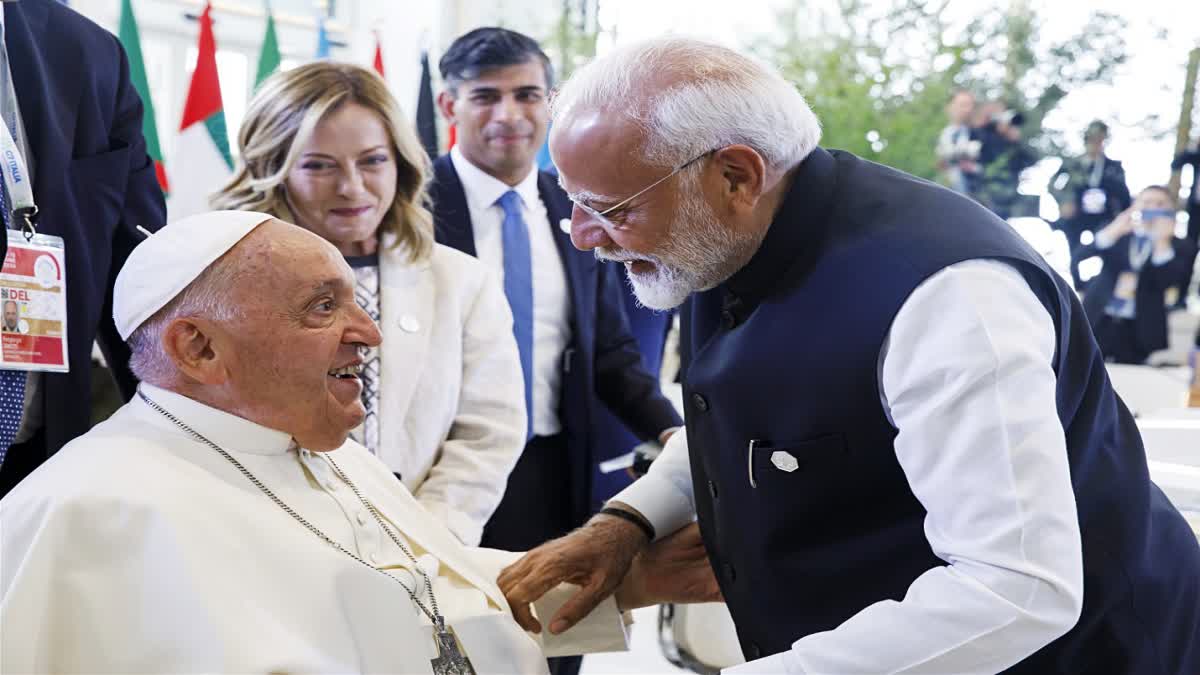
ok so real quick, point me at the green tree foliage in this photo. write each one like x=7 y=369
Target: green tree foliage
x=573 y=42
x=879 y=74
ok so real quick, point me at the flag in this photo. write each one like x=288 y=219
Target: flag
x=426 y=112
x=202 y=148
x=451 y=137
x=127 y=33
x=322 y=40
x=268 y=56
x=378 y=64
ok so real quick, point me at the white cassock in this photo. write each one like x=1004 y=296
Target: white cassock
x=139 y=549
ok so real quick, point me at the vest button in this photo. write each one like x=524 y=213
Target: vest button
x=730 y=573
x=753 y=651
x=700 y=402
x=712 y=489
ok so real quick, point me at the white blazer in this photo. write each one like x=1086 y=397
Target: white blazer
x=451 y=394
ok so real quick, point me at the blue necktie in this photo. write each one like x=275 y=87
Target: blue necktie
x=12 y=382
x=518 y=287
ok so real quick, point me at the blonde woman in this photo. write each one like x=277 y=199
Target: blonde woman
x=325 y=146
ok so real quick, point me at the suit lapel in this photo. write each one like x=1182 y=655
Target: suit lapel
x=406 y=307
x=580 y=267
x=48 y=114
x=451 y=217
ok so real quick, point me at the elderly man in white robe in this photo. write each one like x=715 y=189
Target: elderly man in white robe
x=222 y=522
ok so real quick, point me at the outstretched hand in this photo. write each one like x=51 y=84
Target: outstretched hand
x=596 y=557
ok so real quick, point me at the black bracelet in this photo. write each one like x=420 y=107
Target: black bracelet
x=645 y=527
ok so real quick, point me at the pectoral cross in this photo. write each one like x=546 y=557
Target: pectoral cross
x=450 y=659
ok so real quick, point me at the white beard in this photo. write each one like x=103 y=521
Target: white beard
x=700 y=253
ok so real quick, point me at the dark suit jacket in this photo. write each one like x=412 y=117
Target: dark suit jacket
x=601 y=359
x=1153 y=281
x=1112 y=181
x=93 y=183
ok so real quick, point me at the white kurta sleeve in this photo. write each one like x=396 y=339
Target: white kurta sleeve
x=466 y=483
x=966 y=376
x=664 y=495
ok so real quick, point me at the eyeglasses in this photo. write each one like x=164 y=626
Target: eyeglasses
x=602 y=216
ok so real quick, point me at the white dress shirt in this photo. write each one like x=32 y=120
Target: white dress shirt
x=551 y=299
x=966 y=378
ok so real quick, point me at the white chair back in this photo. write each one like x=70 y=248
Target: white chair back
x=1145 y=389
x=700 y=637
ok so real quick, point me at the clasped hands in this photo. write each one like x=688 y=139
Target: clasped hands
x=610 y=556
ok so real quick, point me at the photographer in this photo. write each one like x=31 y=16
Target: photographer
x=1144 y=266
x=1090 y=191
x=1002 y=157
x=956 y=152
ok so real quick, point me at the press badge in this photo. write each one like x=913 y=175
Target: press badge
x=33 y=291
x=1123 y=303
x=33 y=279
x=1093 y=201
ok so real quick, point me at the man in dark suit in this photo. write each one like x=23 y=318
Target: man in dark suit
x=1090 y=191
x=93 y=183
x=490 y=201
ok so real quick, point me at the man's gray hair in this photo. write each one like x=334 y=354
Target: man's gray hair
x=691 y=96
x=209 y=296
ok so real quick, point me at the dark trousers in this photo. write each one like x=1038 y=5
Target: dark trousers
x=1118 y=341
x=535 y=509
x=20 y=460
x=1073 y=231
x=1193 y=235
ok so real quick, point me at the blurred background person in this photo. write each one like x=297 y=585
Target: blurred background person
x=1144 y=269
x=490 y=200
x=67 y=98
x=325 y=146
x=1090 y=190
x=1191 y=156
x=1002 y=157
x=957 y=153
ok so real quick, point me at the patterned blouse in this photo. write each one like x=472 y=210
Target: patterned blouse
x=366 y=293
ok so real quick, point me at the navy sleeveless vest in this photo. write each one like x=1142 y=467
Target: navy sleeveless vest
x=784 y=355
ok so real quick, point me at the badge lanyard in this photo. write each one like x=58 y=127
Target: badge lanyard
x=33 y=284
x=1094 y=199
x=1139 y=253
x=1097 y=172
x=1123 y=304
x=17 y=180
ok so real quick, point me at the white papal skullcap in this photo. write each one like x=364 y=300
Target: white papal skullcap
x=167 y=261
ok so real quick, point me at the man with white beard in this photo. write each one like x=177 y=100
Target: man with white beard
x=901 y=443
x=222 y=522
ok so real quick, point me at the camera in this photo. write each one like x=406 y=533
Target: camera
x=1012 y=118
x=1149 y=215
